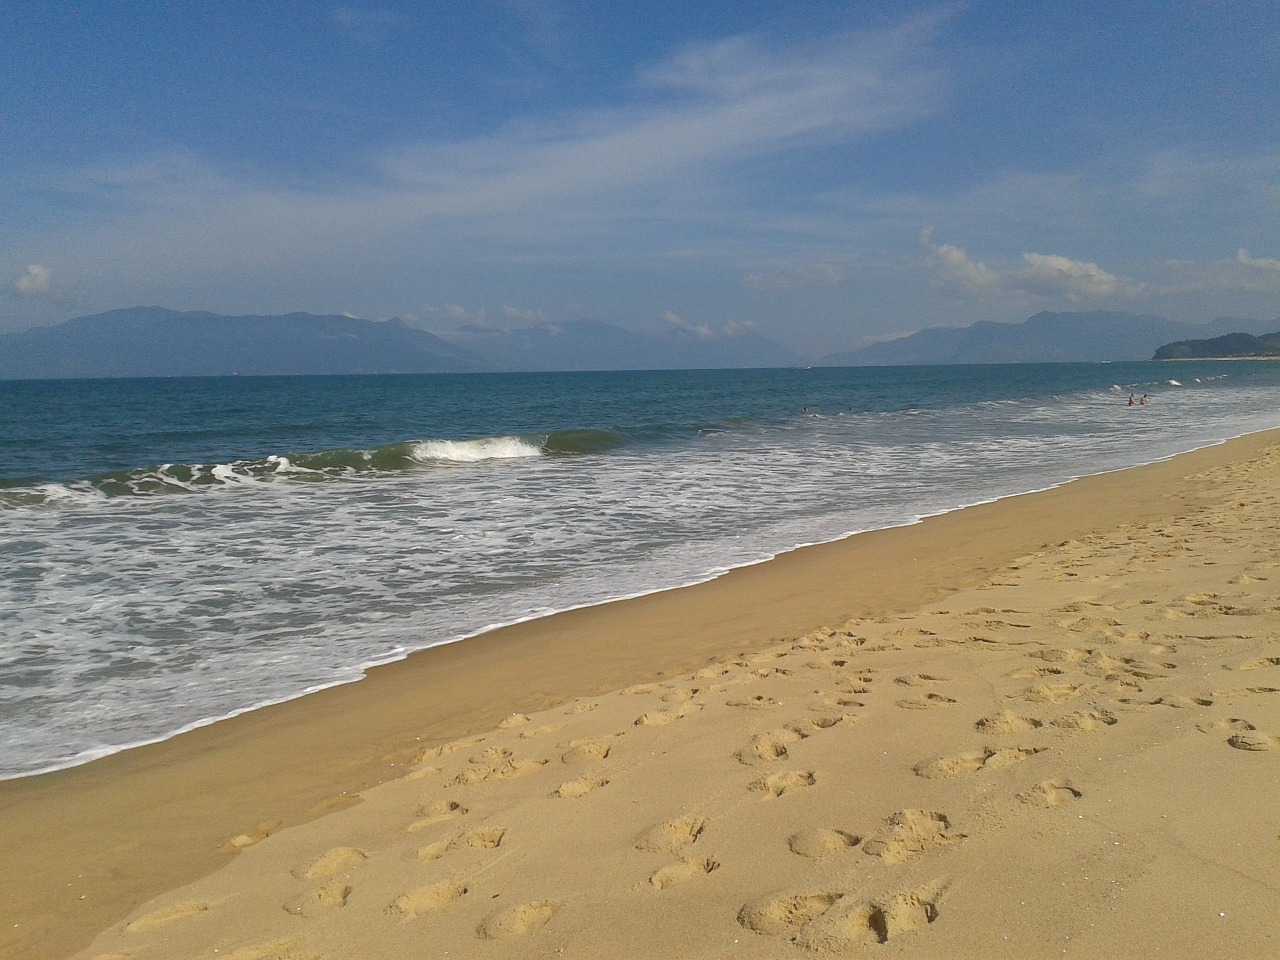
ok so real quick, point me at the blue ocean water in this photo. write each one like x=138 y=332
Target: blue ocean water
x=176 y=551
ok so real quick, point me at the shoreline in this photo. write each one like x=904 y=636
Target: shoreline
x=362 y=669
x=121 y=829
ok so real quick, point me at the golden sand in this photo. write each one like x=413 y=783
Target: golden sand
x=1044 y=727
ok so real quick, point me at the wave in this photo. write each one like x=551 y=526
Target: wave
x=319 y=466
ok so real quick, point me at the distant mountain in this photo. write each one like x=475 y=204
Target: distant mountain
x=593 y=345
x=155 y=342
x=1234 y=345
x=1043 y=338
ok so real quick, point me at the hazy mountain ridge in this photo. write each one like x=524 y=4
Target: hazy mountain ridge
x=1044 y=338
x=157 y=342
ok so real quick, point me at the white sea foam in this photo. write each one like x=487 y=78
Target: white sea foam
x=474 y=451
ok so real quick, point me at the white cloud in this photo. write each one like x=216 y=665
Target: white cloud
x=699 y=330
x=521 y=315
x=1262 y=263
x=703 y=331
x=1044 y=275
x=1055 y=275
x=969 y=273
x=36 y=282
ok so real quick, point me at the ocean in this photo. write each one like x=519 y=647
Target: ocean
x=177 y=551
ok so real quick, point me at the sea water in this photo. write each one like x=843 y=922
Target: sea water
x=177 y=551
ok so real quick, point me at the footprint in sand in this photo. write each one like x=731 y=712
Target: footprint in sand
x=1260 y=664
x=1181 y=703
x=670 y=835
x=330 y=864
x=925 y=701
x=580 y=787
x=579 y=708
x=427 y=899
x=711 y=673
x=587 y=749
x=770 y=746
x=437 y=811
x=678 y=873
x=1007 y=722
x=1085 y=720
x=1254 y=741
x=643 y=689
x=1233 y=724
x=661 y=718
x=515 y=720
x=679 y=695
x=507 y=770
x=250 y=837
x=817 y=843
x=985 y=759
x=1050 y=693
x=484 y=838
x=918 y=680
x=1035 y=673
x=167 y=915
x=330 y=896
x=758 y=702
x=851 y=923
x=433 y=851
x=541 y=731
x=1244 y=692
x=518 y=920
x=446 y=749
x=822 y=722
x=780 y=784
x=1050 y=793
x=909 y=834
x=764 y=673
x=490 y=754
x=785 y=914
x=1061 y=656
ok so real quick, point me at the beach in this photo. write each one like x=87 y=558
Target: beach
x=1044 y=726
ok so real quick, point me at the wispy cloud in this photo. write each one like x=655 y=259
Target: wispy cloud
x=795 y=277
x=706 y=109
x=1262 y=263
x=673 y=166
x=540 y=21
x=365 y=25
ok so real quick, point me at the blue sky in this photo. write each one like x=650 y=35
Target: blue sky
x=821 y=172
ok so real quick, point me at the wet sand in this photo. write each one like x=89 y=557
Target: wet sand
x=1000 y=732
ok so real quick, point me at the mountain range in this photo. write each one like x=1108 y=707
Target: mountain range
x=1043 y=338
x=156 y=342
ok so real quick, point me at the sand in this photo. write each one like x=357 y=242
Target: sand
x=1044 y=727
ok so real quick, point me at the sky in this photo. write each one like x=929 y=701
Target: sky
x=824 y=173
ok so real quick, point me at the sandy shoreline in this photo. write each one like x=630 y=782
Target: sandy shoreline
x=814 y=772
